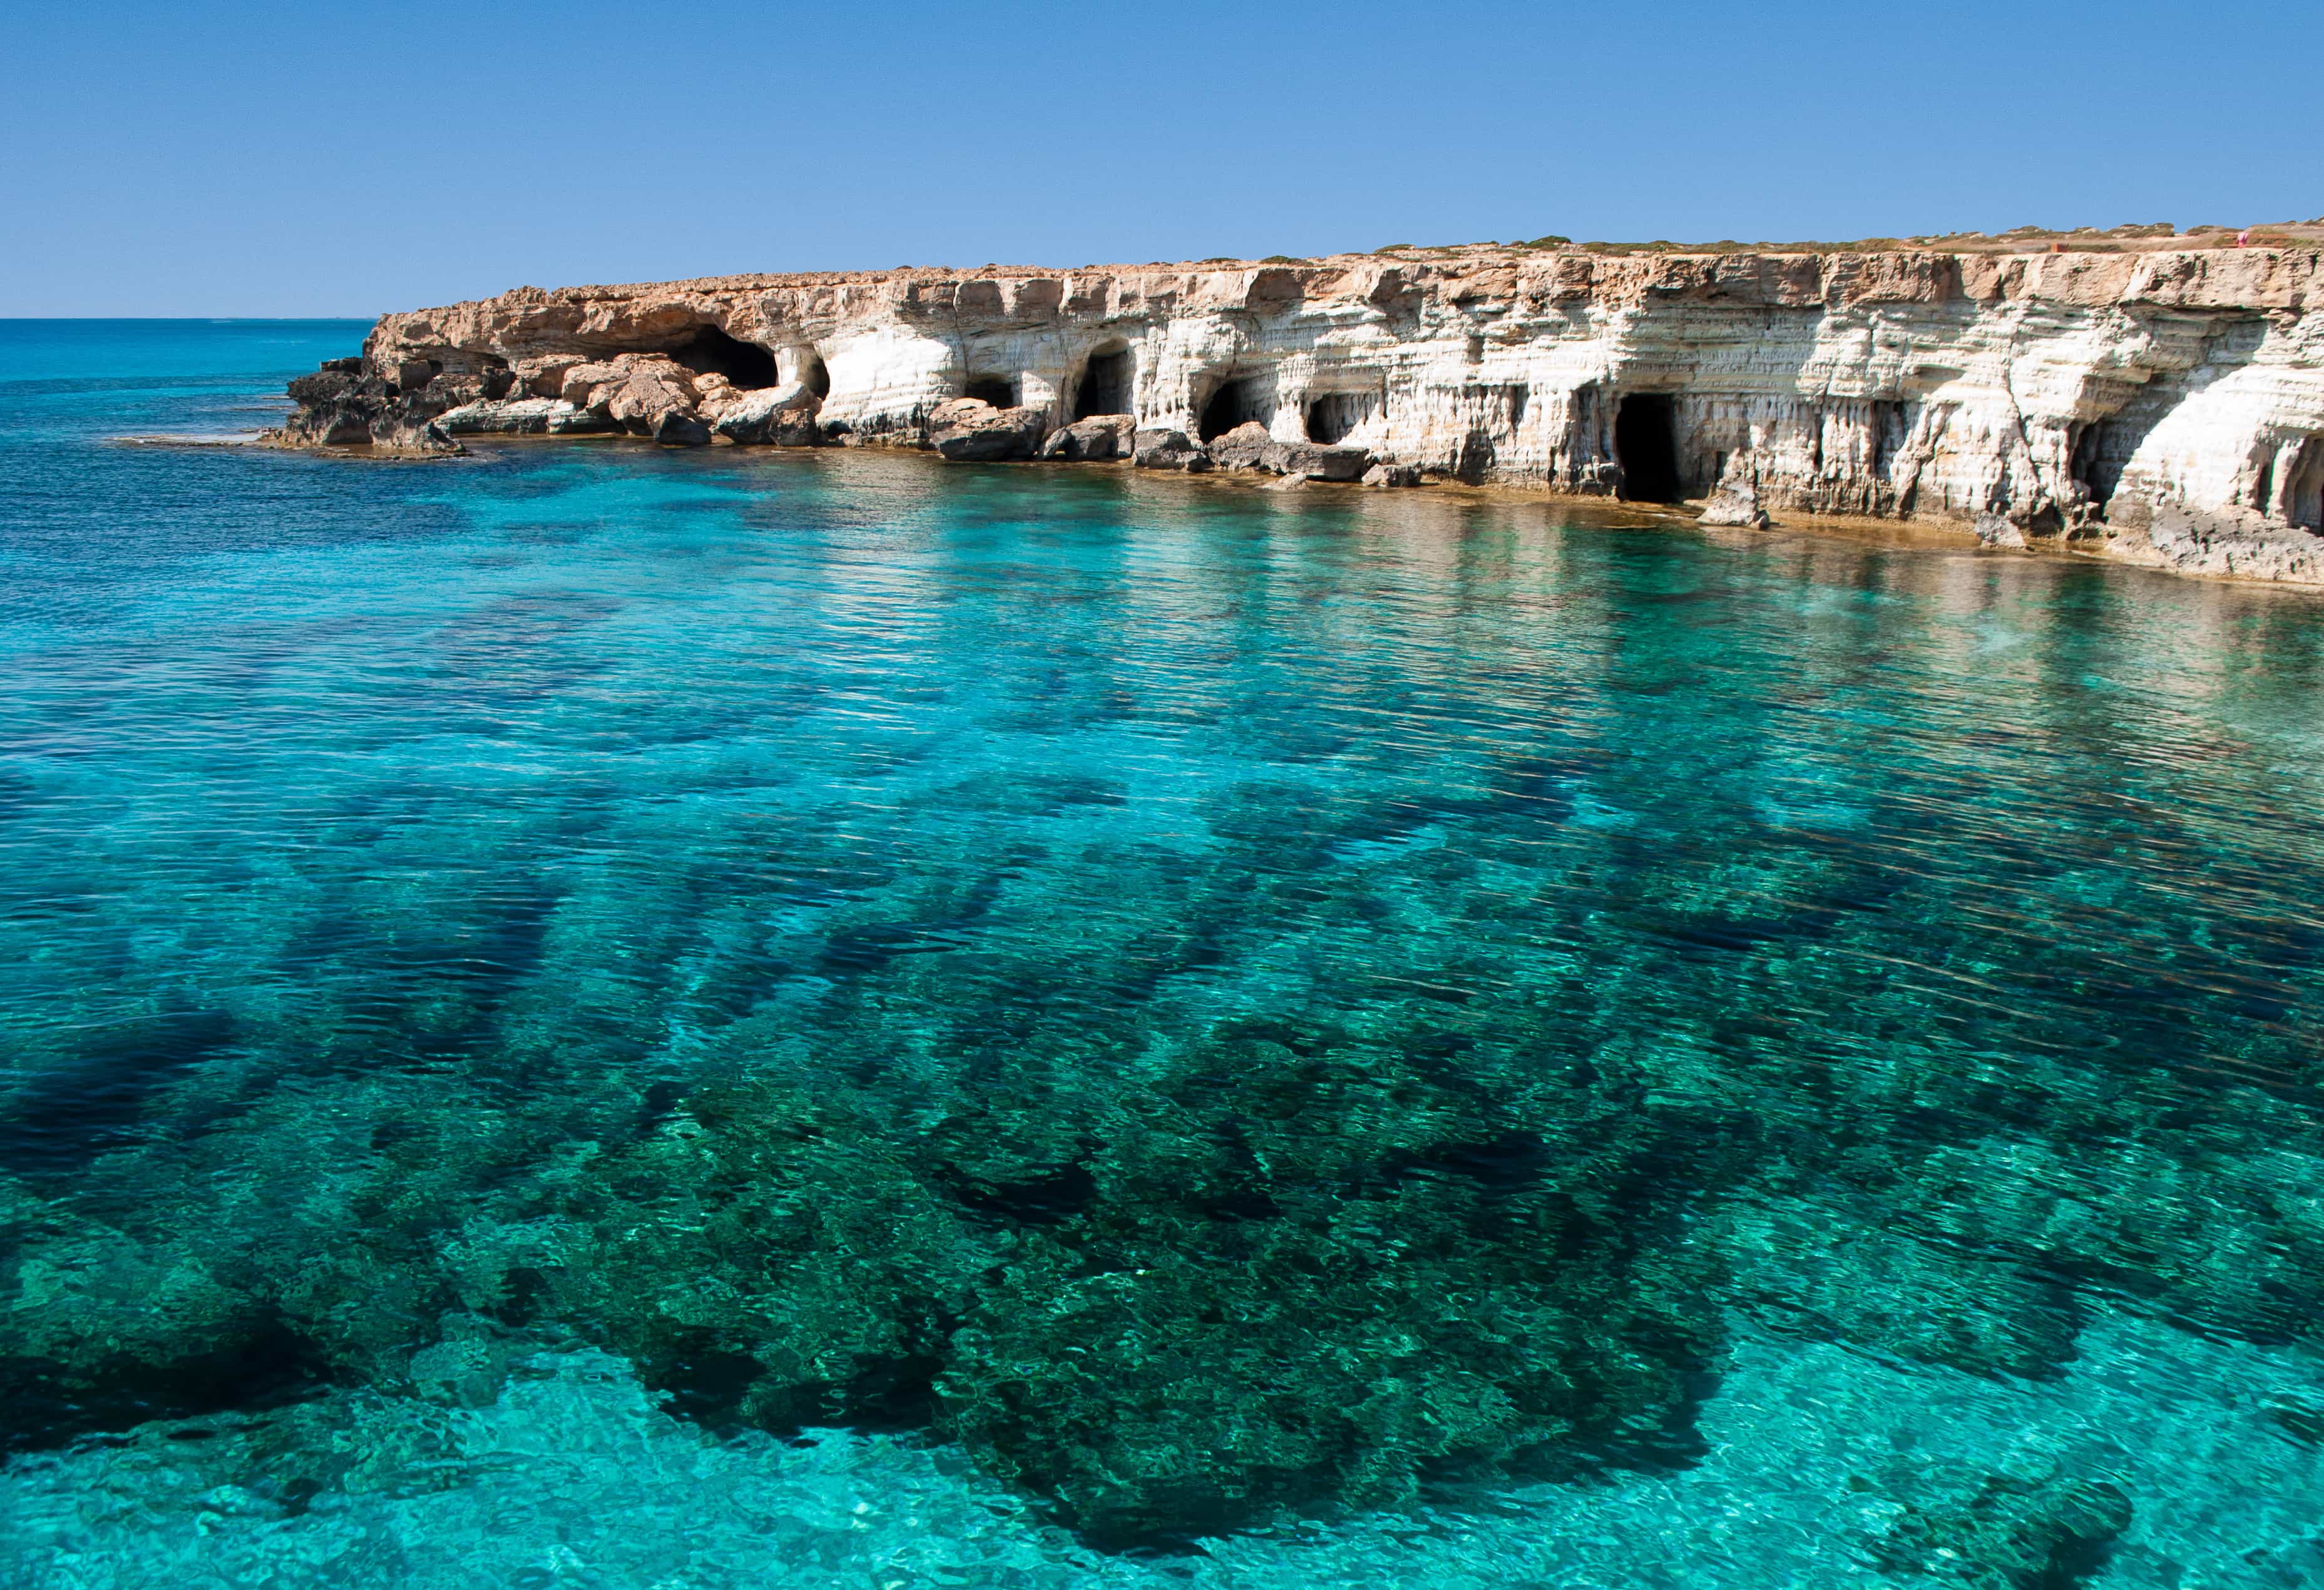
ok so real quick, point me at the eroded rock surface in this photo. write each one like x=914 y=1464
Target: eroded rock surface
x=2165 y=405
x=1092 y=440
x=1735 y=505
x=973 y=429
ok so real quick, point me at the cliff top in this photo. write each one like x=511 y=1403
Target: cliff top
x=2029 y=242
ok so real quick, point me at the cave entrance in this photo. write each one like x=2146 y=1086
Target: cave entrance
x=2303 y=486
x=996 y=390
x=1105 y=387
x=746 y=365
x=1645 y=446
x=1332 y=416
x=1238 y=402
x=812 y=373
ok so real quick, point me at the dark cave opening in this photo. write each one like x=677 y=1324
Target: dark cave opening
x=1888 y=435
x=2103 y=450
x=1332 y=416
x=812 y=375
x=746 y=365
x=2303 y=487
x=1236 y=403
x=995 y=389
x=1645 y=445
x=1105 y=387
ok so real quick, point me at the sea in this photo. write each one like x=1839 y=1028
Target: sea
x=645 y=1019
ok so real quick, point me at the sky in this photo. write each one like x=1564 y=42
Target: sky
x=259 y=160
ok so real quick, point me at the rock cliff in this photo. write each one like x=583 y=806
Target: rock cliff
x=2164 y=405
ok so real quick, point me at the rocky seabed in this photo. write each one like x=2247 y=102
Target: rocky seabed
x=2165 y=408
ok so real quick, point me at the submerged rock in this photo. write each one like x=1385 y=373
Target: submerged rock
x=2008 y=1532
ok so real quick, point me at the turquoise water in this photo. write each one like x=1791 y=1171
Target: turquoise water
x=599 y=1017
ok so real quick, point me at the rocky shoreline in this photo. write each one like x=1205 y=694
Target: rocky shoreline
x=2163 y=406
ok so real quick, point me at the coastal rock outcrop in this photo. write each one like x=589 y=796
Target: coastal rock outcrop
x=1168 y=449
x=972 y=428
x=1735 y=505
x=1092 y=440
x=345 y=405
x=2163 y=405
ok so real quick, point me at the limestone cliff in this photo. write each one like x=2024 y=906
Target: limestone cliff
x=2165 y=406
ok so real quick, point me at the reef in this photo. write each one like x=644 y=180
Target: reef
x=1174 y=1278
x=2162 y=403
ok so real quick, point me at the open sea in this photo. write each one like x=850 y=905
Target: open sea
x=597 y=1016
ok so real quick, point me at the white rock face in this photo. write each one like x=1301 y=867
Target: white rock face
x=2165 y=407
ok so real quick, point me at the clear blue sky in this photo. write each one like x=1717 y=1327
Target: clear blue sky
x=262 y=159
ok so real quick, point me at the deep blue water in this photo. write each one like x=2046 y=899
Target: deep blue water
x=606 y=1017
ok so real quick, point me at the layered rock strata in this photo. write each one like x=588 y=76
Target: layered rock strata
x=2165 y=405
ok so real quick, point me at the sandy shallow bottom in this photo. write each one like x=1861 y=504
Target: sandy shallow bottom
x=571 y=1476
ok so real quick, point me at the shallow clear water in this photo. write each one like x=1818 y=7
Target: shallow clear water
x=600 y=1016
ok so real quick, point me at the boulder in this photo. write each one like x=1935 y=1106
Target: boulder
x=1100 y=436
x=759 y=416
x=1384 y=475
x=969 y=429
x=1167 y=449
x=544 y=376
x=1735 y=503
x=677 y=428
x=1249 y=445
x=1997 y=531
x=580 y=380
x=1246 y=446
x=641 y=402
x=1318 y=462
x=1289 y=483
